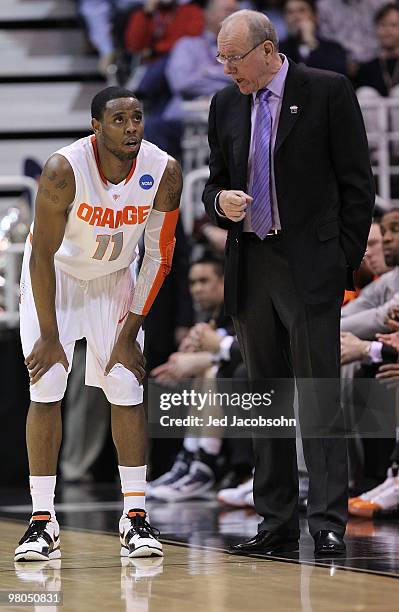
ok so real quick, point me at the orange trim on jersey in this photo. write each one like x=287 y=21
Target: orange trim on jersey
x=132 y=169
x=133 y=514
x=100 y=170
x=134 y=494
x=30 y=237
x=97 y=158
x=166 y=246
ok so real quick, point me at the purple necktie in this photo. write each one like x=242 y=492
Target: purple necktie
x=261 y=207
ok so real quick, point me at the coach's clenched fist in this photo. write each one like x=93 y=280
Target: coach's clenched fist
x=234 y=204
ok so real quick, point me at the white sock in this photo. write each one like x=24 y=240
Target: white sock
x=42 y=492
x=133 y=481
x=191 y=444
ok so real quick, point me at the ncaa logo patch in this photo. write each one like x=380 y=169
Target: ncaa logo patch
x=146 y=181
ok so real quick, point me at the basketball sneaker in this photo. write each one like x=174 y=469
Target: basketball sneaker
x=41 y=541
x=386 y=500
x=373 y=493
x=237 y=497
x=137 y=537
x=179 y=469
x=196 y=484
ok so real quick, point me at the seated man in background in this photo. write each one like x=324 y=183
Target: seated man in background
x=304 y=43
x=350 y=23
x=365 y=316
x=384 y=499
x=382 y=72
x=373 y=264
x=194 y=470
x=362 y=320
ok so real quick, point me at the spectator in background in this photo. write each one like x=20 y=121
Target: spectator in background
x=152 y=32
x=194 y=470
x=350 y=23
x=166 y=325
x=192 y=72
x=373 y=264
x=274 y=11
x=304 y=44
x=98 y=16
x=382 y=72
x=371 y=353
x=366 y=315
x=374 y=258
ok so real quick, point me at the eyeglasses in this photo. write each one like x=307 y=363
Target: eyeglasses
x=236 y=59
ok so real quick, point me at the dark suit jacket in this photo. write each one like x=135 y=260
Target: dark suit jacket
x=324 y=184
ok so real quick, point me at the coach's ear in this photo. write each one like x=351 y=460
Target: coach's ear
x=96 y=125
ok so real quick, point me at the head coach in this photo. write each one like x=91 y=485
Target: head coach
x=290 y=179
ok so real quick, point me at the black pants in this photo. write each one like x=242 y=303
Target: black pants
x=282 y=337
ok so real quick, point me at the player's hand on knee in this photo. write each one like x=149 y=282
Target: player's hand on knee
x=130 y=355
x=43 y=356
x=234 y=204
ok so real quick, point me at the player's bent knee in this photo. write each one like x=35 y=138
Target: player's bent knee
x=121 y=387
x=51 y=387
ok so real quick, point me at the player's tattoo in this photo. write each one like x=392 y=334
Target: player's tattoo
x=62 y=184
x=173 y=185
x=46 y=193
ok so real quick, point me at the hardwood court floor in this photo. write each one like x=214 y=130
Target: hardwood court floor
x=93 y=577
x=197 y=574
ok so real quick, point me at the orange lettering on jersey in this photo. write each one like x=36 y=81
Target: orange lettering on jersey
x=96 y=216
x=143 y=213
x=84 y=211
x=108 y=218
x=130 y=215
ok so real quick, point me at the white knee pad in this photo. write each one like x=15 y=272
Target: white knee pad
x=51 y=386
x=121 y=387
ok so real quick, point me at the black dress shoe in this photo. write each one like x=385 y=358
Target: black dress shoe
x=327 y=542
x=266 y=542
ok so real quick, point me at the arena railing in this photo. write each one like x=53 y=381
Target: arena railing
x=381 y=117
x=11 y=254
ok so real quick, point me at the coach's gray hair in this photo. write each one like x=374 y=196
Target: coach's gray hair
x=260 y=27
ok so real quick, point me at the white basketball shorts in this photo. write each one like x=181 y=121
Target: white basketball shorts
x=95 y=310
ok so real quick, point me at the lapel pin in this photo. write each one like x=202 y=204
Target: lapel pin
x=294 y=110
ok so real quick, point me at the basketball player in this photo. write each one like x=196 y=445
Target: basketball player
x=96 y=197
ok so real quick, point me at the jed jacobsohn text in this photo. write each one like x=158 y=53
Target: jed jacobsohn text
x=226 y=421
x=209 y=399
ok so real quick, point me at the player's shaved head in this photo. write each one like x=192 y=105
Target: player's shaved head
x=104 y=96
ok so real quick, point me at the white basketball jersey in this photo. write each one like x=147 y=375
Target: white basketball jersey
x=106 y=221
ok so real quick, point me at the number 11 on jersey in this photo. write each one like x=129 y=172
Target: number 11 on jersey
x=103 y=242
